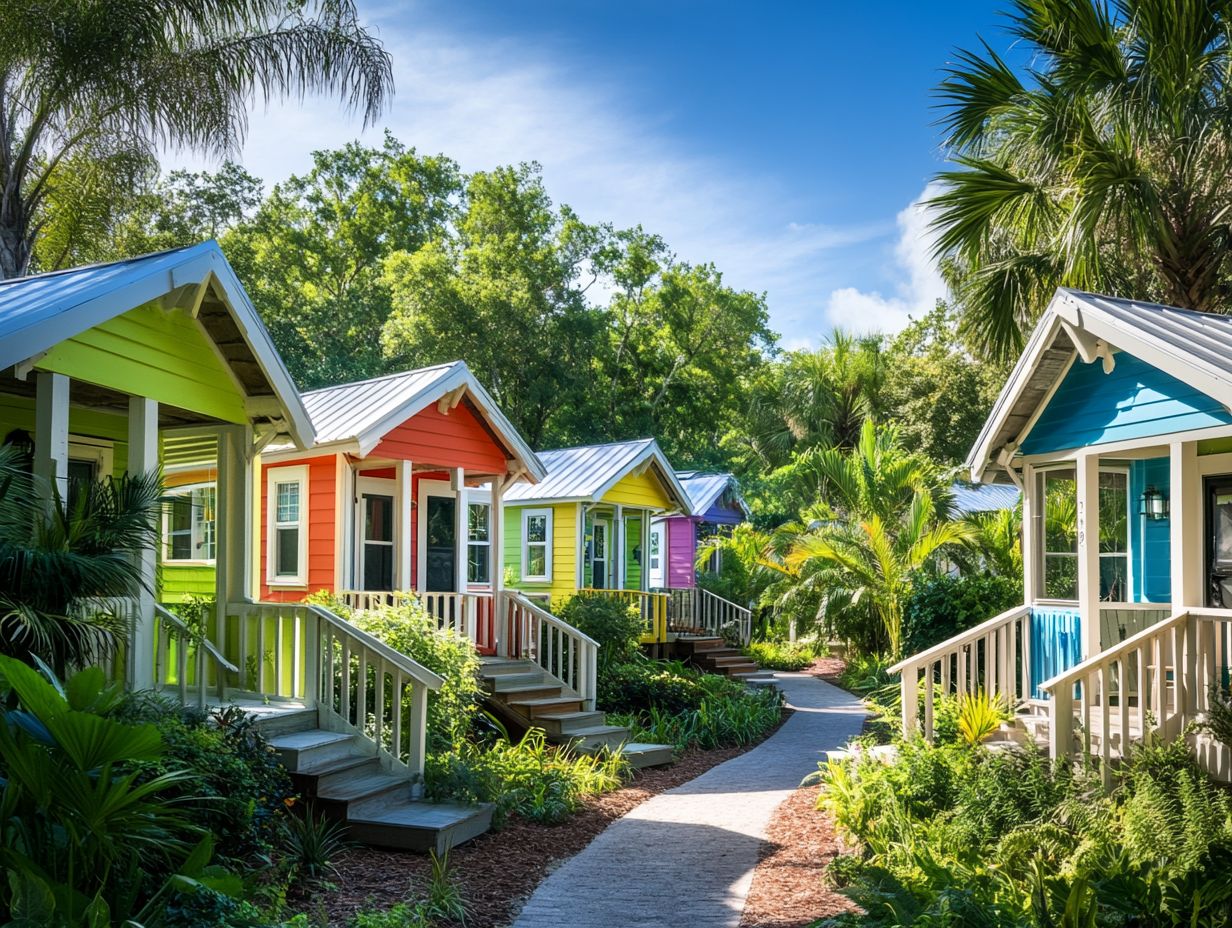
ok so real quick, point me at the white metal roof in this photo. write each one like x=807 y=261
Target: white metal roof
x=586 y=473
x=363 y=412
x=1193 y=347
x=39 y=311
x=983 y=497
x=705 y=489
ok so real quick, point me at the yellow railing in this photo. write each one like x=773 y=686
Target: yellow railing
x=653 y=608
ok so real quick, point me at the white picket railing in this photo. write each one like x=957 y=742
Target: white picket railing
x=471 y=615
x=695 y=609
x=994 y=657
x=1155 y=682
x=186 y=660
x=532 y=633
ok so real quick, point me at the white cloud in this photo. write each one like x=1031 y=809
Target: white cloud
x=488 y=101
x=918 y=283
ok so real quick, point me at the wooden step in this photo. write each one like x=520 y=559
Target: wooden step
x=283 y=721
x=344 y=791
x=310 y=748
x=641 y=755
x=534 y=708
x=529 y=691
x=415 y=825
x=495 y=667
x=502 y=683
x=594 y=738
x=566 y=723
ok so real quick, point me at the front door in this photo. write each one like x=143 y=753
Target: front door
x=377 y=542
x=655 y=560
x=1219 y=541
x=599 y=557
x=441 y=543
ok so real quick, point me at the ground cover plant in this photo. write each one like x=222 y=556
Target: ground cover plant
x=790 y=656
x=954 y=835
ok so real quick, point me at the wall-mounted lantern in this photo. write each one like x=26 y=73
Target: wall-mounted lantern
x=1154 y=504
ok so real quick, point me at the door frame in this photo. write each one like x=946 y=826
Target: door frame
x=375 y=486
x=425 y=489
x=607 y=547
x=659 y=573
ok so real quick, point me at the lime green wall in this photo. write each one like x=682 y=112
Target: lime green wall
x=164 y=355
x=633 y=539
x=176 y=582
x=17 y=412
x=564 y=551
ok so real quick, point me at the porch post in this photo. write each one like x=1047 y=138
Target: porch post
x=403 y=547
x=496 y=534
x=1185 y=512
x=1088 y=552
x=233 y=514
x=461 y=529
x=1030 y=539
x=142 y=458
x=51 y=430
x=618 y=549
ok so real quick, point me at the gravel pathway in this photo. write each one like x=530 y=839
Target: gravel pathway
x=686 y=857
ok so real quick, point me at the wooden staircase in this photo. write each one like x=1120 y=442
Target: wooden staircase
x=715 y=655
x=522 y=693
x=332 y=773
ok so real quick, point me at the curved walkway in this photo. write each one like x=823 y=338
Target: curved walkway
x=686 y=857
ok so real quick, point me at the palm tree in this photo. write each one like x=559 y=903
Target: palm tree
x=109 y=83
x=1103 y=165
x=61 y=563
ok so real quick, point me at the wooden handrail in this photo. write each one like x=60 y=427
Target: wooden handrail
x=1117 y=651
x=168 y=616
x=544 y=616
x=411 y=668
x=566 y=653
x=963 y=638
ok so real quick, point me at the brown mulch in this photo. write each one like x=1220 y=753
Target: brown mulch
x=788 y=889
x=498 y=871
x=827 y=668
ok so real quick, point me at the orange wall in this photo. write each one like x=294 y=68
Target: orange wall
x=321 y=529
x=453 y=439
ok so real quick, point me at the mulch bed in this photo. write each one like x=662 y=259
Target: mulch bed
x=498 y=871
x=788 y=889
x=827 y=668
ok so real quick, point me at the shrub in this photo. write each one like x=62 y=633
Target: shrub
x=781 y=655
x=720 y=720
x=979 y=716
x=640 y=685
x=616 y=625
x=941 y=606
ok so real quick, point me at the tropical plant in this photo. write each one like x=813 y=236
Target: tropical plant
x=941 y=605
x=781 y=655
x=64 y=561
x=312 y=844
x=111 y=84
x=723 y=718
x=614 y=623
x=980 y=714
x=1100 y=165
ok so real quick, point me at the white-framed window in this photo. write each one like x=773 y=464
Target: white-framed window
x=537 y=544
x=1058 y=490
x=656 y=547
x=287 y=552
x=188 y=524
x=479 y=543
x=1114 y=535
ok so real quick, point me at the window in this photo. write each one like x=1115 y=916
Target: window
x=656 y=542
x=190 y=523
x=479 y=543
x=288 y=530
x=537 y=544
x=1114 y=536
x=1059 y=491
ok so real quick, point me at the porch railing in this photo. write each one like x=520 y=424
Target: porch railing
x=994 y=657
x=357 y=683
x=695 y=609
x=1154 y=682
x=187 y=661
x=532 y=633
x=652 y=606
x=470 y=614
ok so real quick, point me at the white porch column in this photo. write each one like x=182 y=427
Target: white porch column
x=645 y=543
x=142 y=458
x=403 y=544
x=461 y=528
x=618 y=548
x=496 y=532
x=51 y=430
x=233 y=515
x=1186 y=530
x=1088 y=552
x=1030 y=539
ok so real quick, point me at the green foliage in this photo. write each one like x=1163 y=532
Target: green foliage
x=615 y=625
x=980 y=716
x=781 y=655
x=311 y=844
x=530 y=777
x=725 y=715
x=865 y=674
x=957 y=835
x=669 y=686
x=940 y=606
x=1219 y=714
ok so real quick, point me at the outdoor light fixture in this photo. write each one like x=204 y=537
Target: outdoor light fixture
x=1154 y=504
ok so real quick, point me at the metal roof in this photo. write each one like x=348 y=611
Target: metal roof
x=42 y=310
x=705 y=489
x=983 y=497
x=363 y=412
x=587 y=472
x=1194 y=347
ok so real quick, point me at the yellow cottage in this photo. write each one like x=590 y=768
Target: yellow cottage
x=586 y=525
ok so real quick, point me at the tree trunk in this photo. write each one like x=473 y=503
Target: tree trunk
x=14 y=239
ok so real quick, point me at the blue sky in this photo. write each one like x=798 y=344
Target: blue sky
x=785 y=142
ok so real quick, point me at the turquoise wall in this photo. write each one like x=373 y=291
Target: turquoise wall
x=1134 y=401
x=1150 y=542
x=1056 y=643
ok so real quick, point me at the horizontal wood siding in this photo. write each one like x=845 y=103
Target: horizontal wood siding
x=164 y=355
x=633 y=552
x=643 y=490
x=1135 y=401
x=17 y=412
x=453 y=439
x=321 y=530
x=681 y=552
x=179 y=581
x=724 y=513
x=564 y=551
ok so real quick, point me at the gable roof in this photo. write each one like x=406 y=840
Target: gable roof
x=1193 y=347
x=586 y=473
x=40 y=311
x=363 y=412
x=705 y=490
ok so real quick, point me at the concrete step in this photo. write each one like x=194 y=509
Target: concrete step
x=534 y=708
x=311 y=748
x=415 y=825
x=641 y=755
x=566 y=723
